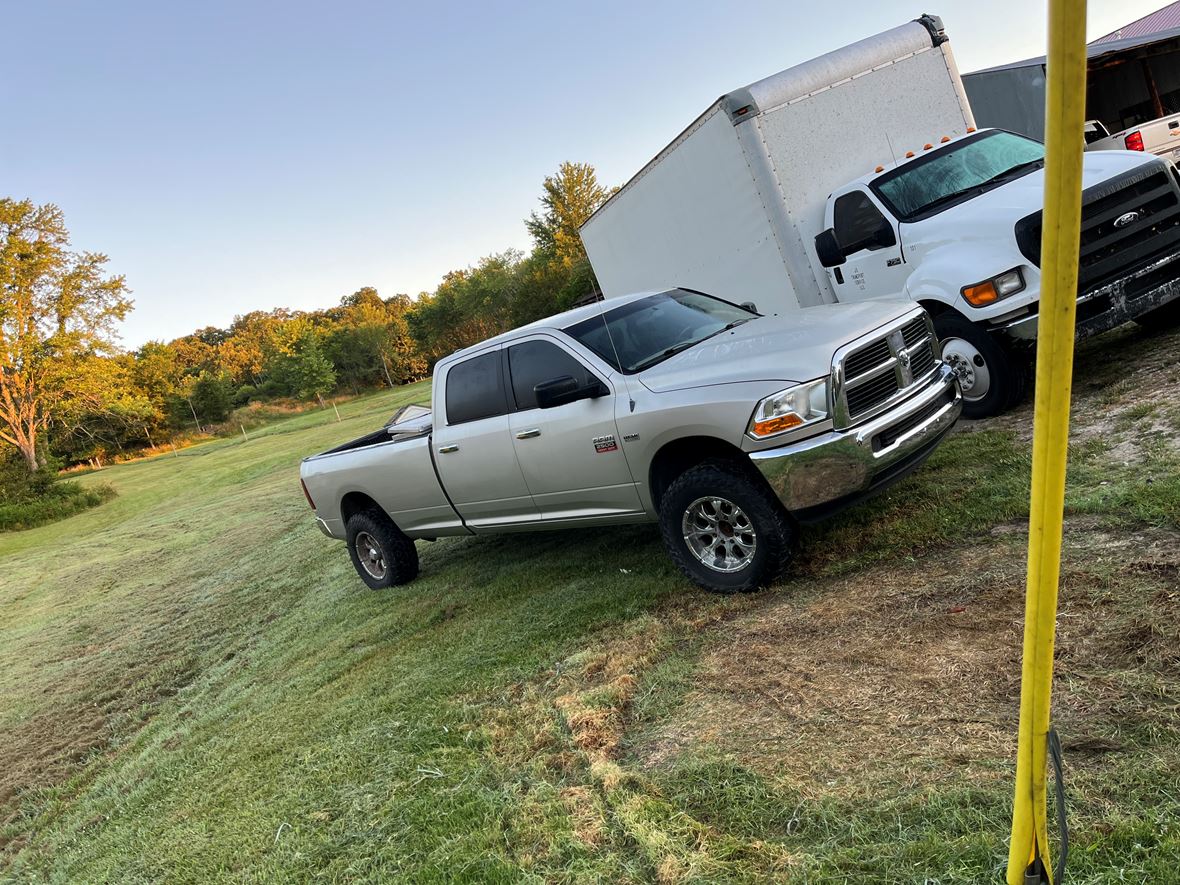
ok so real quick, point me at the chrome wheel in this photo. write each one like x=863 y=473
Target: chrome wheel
x=370 y=554
x=719 y=534
x=975 y=380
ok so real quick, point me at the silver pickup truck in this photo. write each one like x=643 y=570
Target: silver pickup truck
x=726 y=427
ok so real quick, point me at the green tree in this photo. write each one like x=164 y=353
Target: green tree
x=54 y=304
x=314 y=373
x=569 y=198
x=211 y=397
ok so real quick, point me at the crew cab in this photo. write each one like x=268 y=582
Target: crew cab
x=727 y=427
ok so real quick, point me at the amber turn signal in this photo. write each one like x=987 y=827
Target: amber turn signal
x=777 y=424
x=978 y=296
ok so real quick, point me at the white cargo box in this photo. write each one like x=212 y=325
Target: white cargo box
x=732 y=206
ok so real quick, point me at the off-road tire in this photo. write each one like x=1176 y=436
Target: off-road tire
x=1164 y=317
x=399 y=556
x=773 y=529
x=1007 y=369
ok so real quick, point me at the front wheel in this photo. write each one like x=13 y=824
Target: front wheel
x=992 y=379
x=381 y=554
x=724 y=529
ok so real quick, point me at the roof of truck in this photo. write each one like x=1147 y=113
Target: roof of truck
x=559 y=320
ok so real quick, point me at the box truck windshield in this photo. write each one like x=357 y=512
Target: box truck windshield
x=962 y=170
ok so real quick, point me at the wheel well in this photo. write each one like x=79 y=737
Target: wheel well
x=934 y=308
x=355 y=502
x=680 y=454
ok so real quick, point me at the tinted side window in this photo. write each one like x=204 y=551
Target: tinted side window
x=475 y=389
x=532 y=362
x=857 y=222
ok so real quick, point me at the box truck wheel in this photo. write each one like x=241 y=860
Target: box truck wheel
x=381 y=554
x=991 y=377
x=724 y=528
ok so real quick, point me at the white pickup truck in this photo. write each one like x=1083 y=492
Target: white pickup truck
x=727 y=427
x=1160 y=137
x=860 y=175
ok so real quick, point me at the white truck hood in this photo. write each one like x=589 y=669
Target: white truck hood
x=793 y=347
x=995 y=212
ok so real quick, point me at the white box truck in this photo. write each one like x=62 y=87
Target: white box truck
x=860 y=174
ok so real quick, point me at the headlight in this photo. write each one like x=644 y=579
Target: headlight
x=990 y=291
x=790 y=408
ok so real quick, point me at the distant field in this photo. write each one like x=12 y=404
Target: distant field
x=194 y=685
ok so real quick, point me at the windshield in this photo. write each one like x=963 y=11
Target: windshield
x=649 y=330
x=956 y=173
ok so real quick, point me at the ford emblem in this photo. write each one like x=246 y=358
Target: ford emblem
x=1126 y=218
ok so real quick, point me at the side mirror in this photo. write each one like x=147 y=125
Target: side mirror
x=565 y=389
x=828 y=250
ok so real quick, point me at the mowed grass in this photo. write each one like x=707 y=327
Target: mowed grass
x=195 y=686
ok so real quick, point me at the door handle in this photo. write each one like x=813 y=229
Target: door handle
x=529 y=434
x=446 y=450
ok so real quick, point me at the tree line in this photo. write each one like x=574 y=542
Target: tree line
x=70 y=394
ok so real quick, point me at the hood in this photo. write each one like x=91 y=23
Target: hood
x=995 y=212
x=792 y=347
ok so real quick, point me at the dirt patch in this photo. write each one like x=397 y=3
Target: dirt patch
x=1126 y=393
x=911 y=674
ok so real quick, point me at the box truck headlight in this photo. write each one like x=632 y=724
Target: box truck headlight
x=991 y=291
x=790 y=408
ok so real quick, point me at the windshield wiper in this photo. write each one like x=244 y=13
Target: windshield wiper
x=685 y=345
x=1012 y=172
x=986 y=183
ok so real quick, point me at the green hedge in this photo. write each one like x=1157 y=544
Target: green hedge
x=60 y=500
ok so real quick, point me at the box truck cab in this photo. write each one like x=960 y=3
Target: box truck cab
x=860 y=174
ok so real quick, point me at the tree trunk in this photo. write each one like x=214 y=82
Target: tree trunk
x=29 y=451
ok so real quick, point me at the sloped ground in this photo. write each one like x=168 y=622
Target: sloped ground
x=194 y=685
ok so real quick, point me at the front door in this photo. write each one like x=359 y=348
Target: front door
x=474 y=450
x=874 y=266
x=571 y=455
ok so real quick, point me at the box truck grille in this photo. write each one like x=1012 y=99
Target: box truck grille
x=1125 y=224
x=872 y=375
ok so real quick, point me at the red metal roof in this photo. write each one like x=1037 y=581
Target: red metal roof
x=1164 y=19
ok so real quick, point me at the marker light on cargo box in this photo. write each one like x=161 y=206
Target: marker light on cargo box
x=1134 y=141
x=944 y=139
x=908 y=154
x=970 y=128
x=927 y=146
x=879 y=169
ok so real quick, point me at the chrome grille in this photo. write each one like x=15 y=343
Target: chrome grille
x=869 y=375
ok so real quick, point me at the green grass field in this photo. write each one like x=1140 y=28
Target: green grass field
x=195 y=686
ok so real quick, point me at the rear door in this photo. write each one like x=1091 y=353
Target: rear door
x=571 y=454
x=473 y=448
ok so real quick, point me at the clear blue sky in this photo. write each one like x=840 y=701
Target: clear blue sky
x=231 y=156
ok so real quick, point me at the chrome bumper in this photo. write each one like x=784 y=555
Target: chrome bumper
x=819 y=476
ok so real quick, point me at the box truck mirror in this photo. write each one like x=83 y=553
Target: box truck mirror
x=827 y=249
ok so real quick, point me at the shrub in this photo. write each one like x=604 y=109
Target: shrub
x=62 y=499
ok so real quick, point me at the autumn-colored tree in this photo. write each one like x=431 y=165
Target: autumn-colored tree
x=569 y=198
x=55 y=304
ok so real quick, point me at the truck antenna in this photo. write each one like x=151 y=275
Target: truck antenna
x=889 y=142
x=618 y=361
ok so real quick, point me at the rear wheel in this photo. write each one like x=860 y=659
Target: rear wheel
x=992 y=378
x=381 y=554
x=724 y=529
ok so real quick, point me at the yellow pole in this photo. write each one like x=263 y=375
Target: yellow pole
x=1064 y=116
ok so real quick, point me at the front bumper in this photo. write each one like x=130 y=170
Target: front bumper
x=1099 y=310
x=820 y=476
